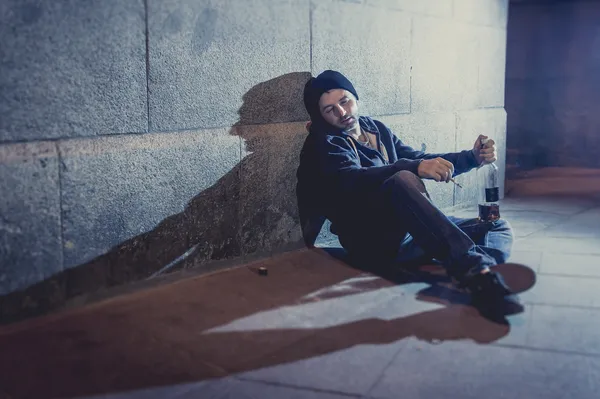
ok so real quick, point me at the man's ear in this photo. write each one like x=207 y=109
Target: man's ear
x=308 y=126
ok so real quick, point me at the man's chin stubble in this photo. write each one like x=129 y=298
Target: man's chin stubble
x=351 y=128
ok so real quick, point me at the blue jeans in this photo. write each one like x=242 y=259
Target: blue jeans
x=404 y=225
x=493 y=238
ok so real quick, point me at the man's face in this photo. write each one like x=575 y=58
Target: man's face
x=339 y=108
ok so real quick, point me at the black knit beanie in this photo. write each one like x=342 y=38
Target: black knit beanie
x=315 y=87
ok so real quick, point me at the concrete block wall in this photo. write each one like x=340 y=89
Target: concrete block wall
x=553 y=84
x=144 y=135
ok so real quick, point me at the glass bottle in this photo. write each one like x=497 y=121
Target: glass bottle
x=489 y=192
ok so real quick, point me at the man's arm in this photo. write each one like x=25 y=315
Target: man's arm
x=463 y=161
x=343 y=167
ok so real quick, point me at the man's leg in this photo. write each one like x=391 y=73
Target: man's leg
x=494 y=238
x=464 y=260
x=407 y=197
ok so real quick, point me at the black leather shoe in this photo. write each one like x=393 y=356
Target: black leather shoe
x=491 y=296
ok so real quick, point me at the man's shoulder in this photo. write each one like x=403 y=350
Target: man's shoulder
x=318 y=144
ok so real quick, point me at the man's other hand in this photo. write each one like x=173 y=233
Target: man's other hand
x=484 y=153
x=437 y=169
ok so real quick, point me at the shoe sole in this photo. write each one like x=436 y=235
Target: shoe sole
x=518 y=277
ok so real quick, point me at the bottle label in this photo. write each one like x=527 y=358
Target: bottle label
x=492 y=194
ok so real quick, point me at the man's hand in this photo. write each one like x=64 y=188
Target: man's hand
x=484 y=153
x=437 y=169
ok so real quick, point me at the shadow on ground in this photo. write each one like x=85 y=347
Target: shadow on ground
x=226 y=323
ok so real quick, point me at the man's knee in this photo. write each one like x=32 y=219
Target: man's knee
x=406 y=176
x=404 y=179
x=504 y=226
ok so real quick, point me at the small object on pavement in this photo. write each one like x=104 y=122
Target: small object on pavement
x=263 y=271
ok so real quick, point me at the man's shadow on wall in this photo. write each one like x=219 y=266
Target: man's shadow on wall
x=251 y=210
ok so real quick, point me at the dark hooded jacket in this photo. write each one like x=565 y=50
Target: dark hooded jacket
x=331 y=172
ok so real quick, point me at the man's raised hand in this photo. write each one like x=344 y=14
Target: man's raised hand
x=437 y=169
x=484 y=153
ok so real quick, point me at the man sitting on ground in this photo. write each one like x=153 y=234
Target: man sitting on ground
x=355 y=172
